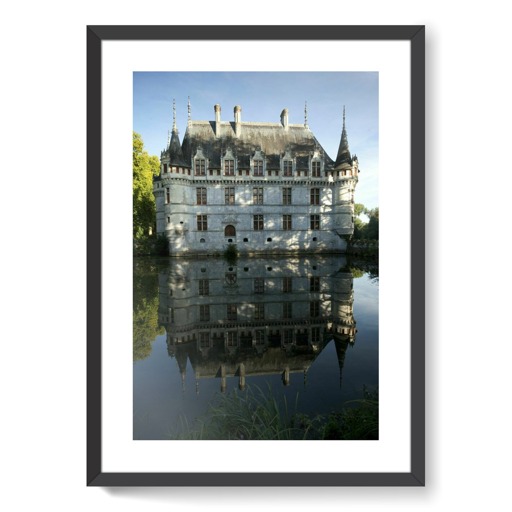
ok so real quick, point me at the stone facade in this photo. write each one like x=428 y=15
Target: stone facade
x=267 y=188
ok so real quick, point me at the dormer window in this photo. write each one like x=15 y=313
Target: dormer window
x=315 y=169
x=287 y=168
x=200 y=167
x=258 y=167
x=229 y=167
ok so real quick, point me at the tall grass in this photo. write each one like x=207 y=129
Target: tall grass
x=256 y=415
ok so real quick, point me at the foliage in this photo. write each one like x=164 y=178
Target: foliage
x=255 y=415
x=249 y=415
x=144 y=168
x=145 y=309
x=366 y=230
x=361 y=422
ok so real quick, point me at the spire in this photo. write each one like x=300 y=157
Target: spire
x=343 y=151
x=174 y=129
x=174 y=146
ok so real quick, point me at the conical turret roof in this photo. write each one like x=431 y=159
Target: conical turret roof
x=175 y=153
x=344 y=156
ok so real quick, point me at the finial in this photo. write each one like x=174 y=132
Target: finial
x=305 y=114
x=173 y=115
x=343 y=116
x=189 y=115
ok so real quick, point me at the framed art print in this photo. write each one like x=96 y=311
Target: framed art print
x=256 y=212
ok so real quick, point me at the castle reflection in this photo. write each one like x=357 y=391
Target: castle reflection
x=255 y=316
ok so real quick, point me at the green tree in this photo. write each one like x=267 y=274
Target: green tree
x=359 y=224
x=145 y=167
x=366 y=230
x=372 y=228
x=359 y=209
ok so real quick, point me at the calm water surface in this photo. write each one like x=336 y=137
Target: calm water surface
x=305 y=329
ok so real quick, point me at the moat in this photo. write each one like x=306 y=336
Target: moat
x=301 y=333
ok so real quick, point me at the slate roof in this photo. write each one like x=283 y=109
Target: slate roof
x=175 y=151
x=273 y=139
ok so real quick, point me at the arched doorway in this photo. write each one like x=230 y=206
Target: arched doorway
x=229 y=230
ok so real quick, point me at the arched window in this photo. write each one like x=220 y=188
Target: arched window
x=229 y=230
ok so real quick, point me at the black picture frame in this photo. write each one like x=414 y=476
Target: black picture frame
x=95 y=35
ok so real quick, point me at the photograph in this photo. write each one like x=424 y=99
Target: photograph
x=256 y=256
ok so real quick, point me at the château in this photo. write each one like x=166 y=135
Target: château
x=263 y=187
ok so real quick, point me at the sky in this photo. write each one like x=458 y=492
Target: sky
x=262 y=96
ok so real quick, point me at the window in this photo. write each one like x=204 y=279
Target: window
x=229 y=167
x=165 y=168
x=287 y=222
x=314 y=284
x=314 y=308
x=231 y=339
x=287 y=195
x=202 y=223
x=201 y=195
x=314 y=221
x=287 y=309
x=229 y=230
x=257 y=195
x=259 y=337
x=231 y=312
x=287 y=168
x=287 y=284
x=288 y=336
x=204 y=287
x=258 y=222
x=314 y=196
x=204 y=313
x=315 y=169
x=229 y=195
x=315 y=335
x=200 y=169
x=258 y=167
x=204 y=339
x=259 y=285
x=259 y=311
x=167 y=195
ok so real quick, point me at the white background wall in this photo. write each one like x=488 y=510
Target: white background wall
x=43 y=283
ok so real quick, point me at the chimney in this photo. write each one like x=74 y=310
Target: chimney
x=238 y=120
x=217 y=120
x=284 y=118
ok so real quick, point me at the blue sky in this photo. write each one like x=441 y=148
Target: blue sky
x=262 y=96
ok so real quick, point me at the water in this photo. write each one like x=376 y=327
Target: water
x=303 y=329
